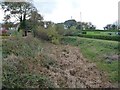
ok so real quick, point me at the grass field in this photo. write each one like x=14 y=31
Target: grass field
x=103 y=52
x=101 y=33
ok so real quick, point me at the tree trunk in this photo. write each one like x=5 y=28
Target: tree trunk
x=25 y=33
x=20 y=27
x=24 y=24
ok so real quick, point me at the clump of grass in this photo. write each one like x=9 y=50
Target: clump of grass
x=25 y=47
x=12 y=80
x=47 y=62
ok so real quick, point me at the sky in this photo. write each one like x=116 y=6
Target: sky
x=99 y=12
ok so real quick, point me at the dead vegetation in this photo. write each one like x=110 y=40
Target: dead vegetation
x=73 y=70
x=53 y=66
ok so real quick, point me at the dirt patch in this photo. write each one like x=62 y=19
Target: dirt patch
x=73 y=70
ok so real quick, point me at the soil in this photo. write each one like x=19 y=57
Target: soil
x=73 y=70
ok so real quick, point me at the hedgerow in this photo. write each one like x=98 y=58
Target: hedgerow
x=114 y=38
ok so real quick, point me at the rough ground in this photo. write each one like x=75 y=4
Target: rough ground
x=72 y=70
x=65 y=66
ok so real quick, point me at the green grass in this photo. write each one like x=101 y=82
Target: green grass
x=102 y=30
x=98 y=51
x=22 y=58
x=101 y=33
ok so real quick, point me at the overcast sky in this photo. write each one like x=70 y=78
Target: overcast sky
x=99 y=12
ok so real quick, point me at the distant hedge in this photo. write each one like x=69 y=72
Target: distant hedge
x=102 y=30
x=114 y=38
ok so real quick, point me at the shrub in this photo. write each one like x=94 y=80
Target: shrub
x=53 y=35
x=84 y=32
x=49 y=34
x=70 y=32
x=60 y=29
x=5 y=32
x=42 y=33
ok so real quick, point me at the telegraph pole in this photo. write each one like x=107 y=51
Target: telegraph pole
x=81 y=16
x=81 y=19
x=119 y=15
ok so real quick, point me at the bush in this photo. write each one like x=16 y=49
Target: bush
x=60 y=29
x=53 y=35
x=49 y=34
x=70 y=32
x=84 y=32
x=42 y=33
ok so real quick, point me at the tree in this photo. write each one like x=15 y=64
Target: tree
x=85 y=26
x=19 y=10
x=92 y=27
x=110 y=27
x=79 y=26
x=35 y=20
x=70 y=23
x=114 y=26
x=48 y=24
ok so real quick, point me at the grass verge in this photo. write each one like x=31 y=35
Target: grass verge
x=103 y=52
x=23 y=62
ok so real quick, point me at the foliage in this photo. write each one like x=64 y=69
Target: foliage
x=60 y=28
x=85 y=26
x=70 y=23
x=49 y=34
x=7 y=25
x=35 y=21
x=42 y=33
x=84 y=32
x=110 y=27
x=53 y=35
x=69 y=32
x=20 y=10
